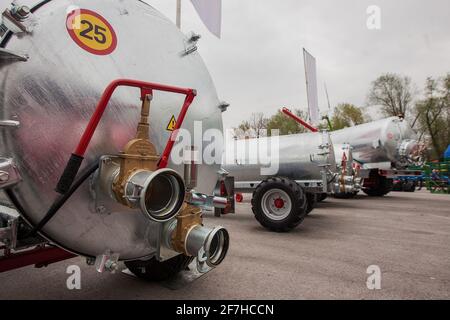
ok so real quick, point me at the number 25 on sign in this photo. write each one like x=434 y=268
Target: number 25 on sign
x=91 y=32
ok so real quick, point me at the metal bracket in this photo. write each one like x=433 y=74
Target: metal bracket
x=107 y=262
x=18 y=19
x=9 y=123
x=191 y=44
x=9 y=174
x=102 y=198
x=8 y=234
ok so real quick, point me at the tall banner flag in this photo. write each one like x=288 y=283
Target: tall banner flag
x=311 y=87
x=210 y=11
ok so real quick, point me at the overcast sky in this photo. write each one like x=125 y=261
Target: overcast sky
x=257 y=65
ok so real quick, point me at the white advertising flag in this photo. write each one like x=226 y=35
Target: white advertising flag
x=311 y=87
x=210 y=11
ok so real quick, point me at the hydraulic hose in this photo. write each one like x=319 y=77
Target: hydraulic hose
x=62 y=199
x=57 y=204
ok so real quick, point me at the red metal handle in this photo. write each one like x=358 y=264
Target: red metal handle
x=163 y=161
x=288 y=112
x=146 y=88
x=74 y=163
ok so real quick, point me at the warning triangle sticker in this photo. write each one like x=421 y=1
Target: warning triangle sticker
x=172 y=124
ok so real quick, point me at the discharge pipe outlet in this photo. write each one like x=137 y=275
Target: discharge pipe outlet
x=191 y=238
x=208 y=243
x=159 y=194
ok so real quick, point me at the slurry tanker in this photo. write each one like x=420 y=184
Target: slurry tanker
x=383 y=150
x=92 y=96
x=312 y=165
x=288 y=174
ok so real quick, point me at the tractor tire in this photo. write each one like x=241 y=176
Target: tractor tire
x=321 y=197
x=409 y=186
x=279 y=204
x=384 y=186
x=154 y=270
x=311 y=202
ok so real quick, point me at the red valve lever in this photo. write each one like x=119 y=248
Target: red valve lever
x=288 y=112
x=77 y=157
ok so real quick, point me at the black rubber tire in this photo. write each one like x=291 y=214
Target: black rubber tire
x=384 y=186
x=398 y=186
x=409 y=186
x=311 y=202
x=296 y=195
x=321 y=197
x=154 y=270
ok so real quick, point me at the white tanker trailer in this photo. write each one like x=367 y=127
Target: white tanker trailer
x=65 y=108
x=383 y=149
x=287 y=174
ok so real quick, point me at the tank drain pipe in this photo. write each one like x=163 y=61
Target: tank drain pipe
x=77 y=156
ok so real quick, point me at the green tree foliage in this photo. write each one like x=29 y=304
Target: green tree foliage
x=433 y=114
x=346 y=115
x=394 y=93
x=285 y=124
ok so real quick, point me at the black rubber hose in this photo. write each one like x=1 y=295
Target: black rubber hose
x=62 y=199
x=70 y=172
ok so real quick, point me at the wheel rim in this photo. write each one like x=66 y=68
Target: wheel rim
x=276 y=204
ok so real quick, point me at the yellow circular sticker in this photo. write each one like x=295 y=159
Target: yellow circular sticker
x=91 y=32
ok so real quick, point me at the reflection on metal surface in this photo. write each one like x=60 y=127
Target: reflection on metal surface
x=387 y=140
x=6 y=55
x=301 y=157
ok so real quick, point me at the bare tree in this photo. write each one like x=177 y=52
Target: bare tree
x=433 y=114
x=258 y=123
x=252 y=128
x=393 y=92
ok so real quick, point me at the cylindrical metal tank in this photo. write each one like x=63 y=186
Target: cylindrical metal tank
x=297 y=156
x=387 y=140
x=53 y=91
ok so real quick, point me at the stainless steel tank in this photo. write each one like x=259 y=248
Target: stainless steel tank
x=50 y=84
x=386 y=141
x=301 y=157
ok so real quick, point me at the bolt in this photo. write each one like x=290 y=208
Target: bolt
x=23 y=11
x=194 y=37
x=111 y=266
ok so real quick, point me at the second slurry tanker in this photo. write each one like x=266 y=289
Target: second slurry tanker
x=383 y=149
x=288 y=174
x=311 y=165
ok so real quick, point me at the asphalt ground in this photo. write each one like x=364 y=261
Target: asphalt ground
x=406 y=235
